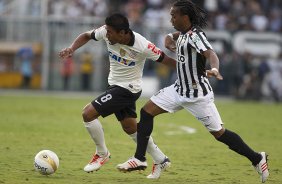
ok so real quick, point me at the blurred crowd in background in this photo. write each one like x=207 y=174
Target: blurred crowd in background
x=228 y=15
x=231 y=15
x=247 y=75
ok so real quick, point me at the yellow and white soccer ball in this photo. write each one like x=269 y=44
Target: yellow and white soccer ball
x=46 y=162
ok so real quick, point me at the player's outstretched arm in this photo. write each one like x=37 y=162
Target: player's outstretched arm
x=82 y=39
x=170 y=41
x=168 y=61
x=214 y=63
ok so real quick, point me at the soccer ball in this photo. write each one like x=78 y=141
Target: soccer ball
x=46 y=162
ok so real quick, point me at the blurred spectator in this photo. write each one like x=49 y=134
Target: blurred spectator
x=86 y=70
x=236 y=73
x=73 y=10
x=259 y=21
x=272 y=84
x=210 y=5
x=155 y=3
x=66 y=72
x=100 y=8
x=275 y=23
x=133 y=10
x=57 y=8
x=26 y=55
x=220 y=21
x=3 y=65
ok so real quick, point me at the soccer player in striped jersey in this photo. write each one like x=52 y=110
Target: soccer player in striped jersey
x=192 y=90
x=128 y=51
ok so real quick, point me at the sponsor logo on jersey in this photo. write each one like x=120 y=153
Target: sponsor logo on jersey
x=121 y=60
x=154 y=49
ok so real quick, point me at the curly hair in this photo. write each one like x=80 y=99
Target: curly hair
x=196 y=14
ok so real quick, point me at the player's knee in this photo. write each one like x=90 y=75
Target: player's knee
x=129 y=129
x=145 y=116
x=88 y=114
x=86 y=117
x=218 y=134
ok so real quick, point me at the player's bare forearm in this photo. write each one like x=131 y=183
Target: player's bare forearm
x=170 y=62
x=81 y=40
x=213 y=59
x=78 y=42
x=214 y=63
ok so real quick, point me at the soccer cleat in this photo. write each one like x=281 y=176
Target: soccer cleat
x=132 y=164
x=97 y=162
x=158 y=168
x=262 y=167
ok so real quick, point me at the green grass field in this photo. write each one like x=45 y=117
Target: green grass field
x=30 y=123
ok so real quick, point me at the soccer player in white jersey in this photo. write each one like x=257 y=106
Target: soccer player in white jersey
x=128 y=51
x=192 y=90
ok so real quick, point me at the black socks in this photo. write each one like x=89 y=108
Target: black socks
x=144 y=130
x=236 y=144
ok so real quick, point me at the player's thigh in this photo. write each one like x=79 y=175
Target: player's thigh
x=206 y=112
x=167 y=99
x=129 y=106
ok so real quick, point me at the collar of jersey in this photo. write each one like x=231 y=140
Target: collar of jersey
x=132 y=40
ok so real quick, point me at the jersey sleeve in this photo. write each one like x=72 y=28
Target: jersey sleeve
x=99 y=33
x=152 y=52
x=199 y=41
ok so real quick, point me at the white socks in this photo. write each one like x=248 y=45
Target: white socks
x=96 y=132
x=157 y=155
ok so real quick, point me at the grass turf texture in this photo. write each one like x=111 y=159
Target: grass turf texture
x=30 y=123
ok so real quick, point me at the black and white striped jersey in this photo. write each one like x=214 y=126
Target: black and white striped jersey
x=191 y=73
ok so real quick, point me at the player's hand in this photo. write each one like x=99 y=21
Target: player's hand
x=170 y=44
x=214 y=73
x=66 y=53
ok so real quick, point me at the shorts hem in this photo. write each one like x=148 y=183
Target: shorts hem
x=168 y=110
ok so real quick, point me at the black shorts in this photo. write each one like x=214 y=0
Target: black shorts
x=117 y=100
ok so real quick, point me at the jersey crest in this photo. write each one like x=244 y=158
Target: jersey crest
x=132 y=53
x=195 y=38
x=122 y=52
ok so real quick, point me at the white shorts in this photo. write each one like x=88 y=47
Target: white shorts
x=203 y=108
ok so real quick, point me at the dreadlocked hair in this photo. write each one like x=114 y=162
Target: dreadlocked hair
x=196 y=14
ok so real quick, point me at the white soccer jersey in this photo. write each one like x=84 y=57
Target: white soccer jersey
x=127 y=62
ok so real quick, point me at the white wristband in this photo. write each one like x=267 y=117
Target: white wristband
x=214 y=69
x=170 y=35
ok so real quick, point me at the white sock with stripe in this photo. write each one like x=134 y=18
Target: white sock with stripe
x=96 y=132
x=157 y=155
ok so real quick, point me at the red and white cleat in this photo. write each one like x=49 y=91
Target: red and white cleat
x=262 y=167
x=132 y=164
x=97 y=162
x=159 y=168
